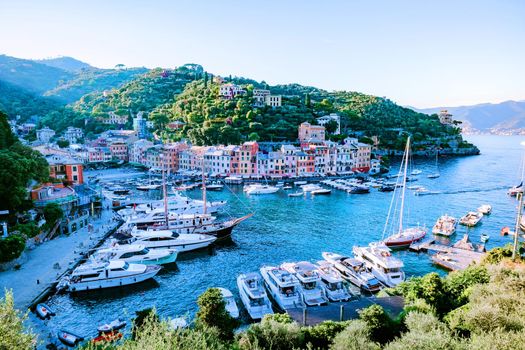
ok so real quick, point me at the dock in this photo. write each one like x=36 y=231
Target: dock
x=450 y=258
x=344 y=311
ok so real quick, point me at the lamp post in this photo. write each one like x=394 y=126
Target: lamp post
x=161 y=156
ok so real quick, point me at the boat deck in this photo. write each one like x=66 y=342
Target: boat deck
x=343 y=311
x=450 y=258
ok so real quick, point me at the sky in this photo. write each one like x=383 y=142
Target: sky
x=419 y=53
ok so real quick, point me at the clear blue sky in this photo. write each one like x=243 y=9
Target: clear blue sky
x=420 y=53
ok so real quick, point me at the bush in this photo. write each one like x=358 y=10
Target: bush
x=11 y=247
x=272 y=334
x=13 y=334
x=212 y=313
x=355 y=337
x=322 y=335
x=382 y=328
x=425 y=332
x=52 y=213
x=496 y=255
x=28 y=230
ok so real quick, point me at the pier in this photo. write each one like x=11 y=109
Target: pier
x=450 y=258
x=344 y=311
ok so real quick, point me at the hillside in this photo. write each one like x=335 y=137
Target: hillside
x=144 y=93
x=504 y=117
x=30 y=75
x=65 y=63
x=93 y=80
x=17 y=101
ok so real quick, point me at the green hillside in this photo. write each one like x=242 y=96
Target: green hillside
x=144 y=93
x=17 y=101
x=93 y=80
x=66 y=63
x=30 y=75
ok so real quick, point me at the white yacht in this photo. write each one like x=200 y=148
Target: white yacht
x=261 y=189
x=253 y=295
x=136 y=253
x=231 y=305
x=312 y=289
x=354 y=271
x=332 y=281
x=445 y=225
x=471 y=219
x=283 y=287
x=168 y=239
x=100 y=275
x=157 y=217
x=378 y=259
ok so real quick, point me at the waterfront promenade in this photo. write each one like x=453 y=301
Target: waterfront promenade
x=44 y=263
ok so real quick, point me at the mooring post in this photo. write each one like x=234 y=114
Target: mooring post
x=304 y=317
x=341 y=312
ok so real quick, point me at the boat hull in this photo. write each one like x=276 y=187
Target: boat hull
x=113 y=282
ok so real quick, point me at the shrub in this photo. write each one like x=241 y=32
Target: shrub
x=322 y=335
x=496 y=255
x=382 y=328
x=11 y=247
x=28 y=230
x=355 y=337
x=212 y=313
x=52 y=213
x=459 y=283
x=425 y=332
x=498 y=340
x=272 y=334
x=13 y=334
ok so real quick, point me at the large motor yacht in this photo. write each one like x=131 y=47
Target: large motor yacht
x=354 y=271
x=310 y=283
x=136 y=253
x=378 y=258
x=98 y=275
x=168 y=239
x=253 y=295
x=283 y=287
x=334 y=286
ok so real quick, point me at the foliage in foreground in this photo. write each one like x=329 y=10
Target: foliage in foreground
x=13 y=335
x=486 y=311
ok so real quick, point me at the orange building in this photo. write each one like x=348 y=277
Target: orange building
x=66 y=169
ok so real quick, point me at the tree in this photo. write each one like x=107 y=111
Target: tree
x=62 y=143
x=205 y=80
x=331 y=126
x=381 y=326
x=53 y=212
x=10 y=248
x=307 y=101
x=13 y=334
x=212 y=313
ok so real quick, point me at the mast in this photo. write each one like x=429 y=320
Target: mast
x=203 y=188
x=407 y=149
x=164 y=192
x=517 y=229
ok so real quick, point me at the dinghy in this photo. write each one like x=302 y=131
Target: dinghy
x=44 y=312
x=114 y=325
x=69 y=338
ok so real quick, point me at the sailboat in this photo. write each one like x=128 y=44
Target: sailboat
x=404 y=236
x=436 y=174
x=515 y=190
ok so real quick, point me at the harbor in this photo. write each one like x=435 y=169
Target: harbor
x=283 y=230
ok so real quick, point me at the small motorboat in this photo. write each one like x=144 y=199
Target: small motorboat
x=321 y=191
x=107 y=337
x=484 y=238
x=216 y=186
x=114 y=325
x=416 y=172
x=69 y=338
x=471 y=218
x=485 y=209
x=178 y=323
x=433 y=176
x=386 y=188
x=296 y=194
x=44 y=312
x=286 y=187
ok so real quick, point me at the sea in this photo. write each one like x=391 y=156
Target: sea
x=290 y=229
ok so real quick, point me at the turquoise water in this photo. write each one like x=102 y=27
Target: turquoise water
x=293 y=229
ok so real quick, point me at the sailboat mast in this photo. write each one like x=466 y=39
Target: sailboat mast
x=203 y=188
x=407 y=149
x=164 y=192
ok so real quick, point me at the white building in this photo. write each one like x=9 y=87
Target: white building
x=217 y=162
x=137 y=150
x=264 y=97
x=327 y=118
x=73 y=134
x=115 y=119
x=445 y=117
x=45 y=134
x=230 y=91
